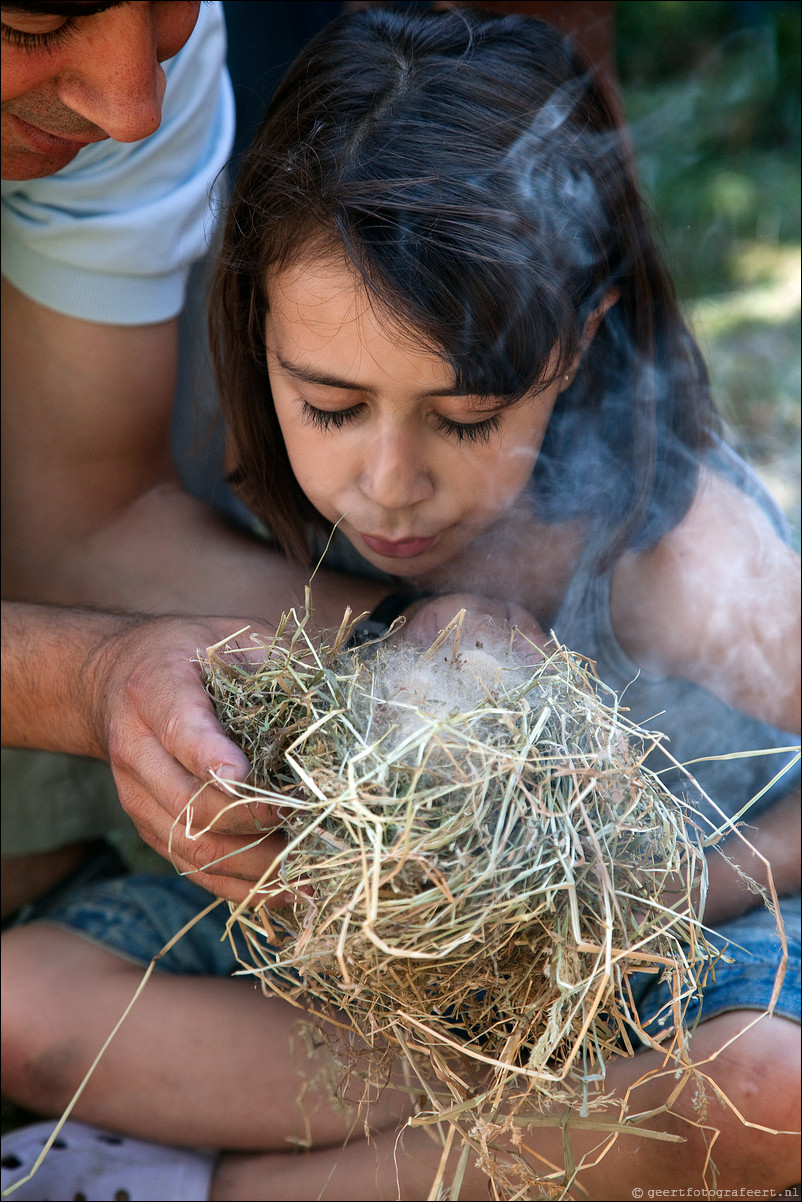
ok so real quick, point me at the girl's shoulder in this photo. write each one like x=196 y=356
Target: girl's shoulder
x=716 y=601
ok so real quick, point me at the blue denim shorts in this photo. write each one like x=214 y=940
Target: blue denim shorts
x=136 y=916
x=752 y=945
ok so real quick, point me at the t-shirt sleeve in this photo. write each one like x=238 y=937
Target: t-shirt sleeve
x=112 y=236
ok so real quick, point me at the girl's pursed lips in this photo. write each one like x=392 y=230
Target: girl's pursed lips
x=403 y=548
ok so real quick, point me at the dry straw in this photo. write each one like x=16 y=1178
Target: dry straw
x=480 y=860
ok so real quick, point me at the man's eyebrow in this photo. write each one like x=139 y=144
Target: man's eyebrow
x=79 y=8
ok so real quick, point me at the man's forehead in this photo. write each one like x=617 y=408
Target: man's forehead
x=70 y=8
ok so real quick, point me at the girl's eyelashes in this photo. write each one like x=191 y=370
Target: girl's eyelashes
x=37 y=41
x=328 y=419
x=335 y=419
x=477 y=432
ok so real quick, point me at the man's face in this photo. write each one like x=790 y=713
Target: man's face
x=76 y=73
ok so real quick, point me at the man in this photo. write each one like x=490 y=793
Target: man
x=108 y=158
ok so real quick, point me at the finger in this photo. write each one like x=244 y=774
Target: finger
x=179 y=827
x=240 y=892
x=163 y=801
x=227 y=866
x=223 y=813
x=233 y=869
x=251 y=861
x=143 y=755
x=175 y=707
x=530 y=645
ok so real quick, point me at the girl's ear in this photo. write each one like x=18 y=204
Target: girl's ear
x=594 y=321
x=588 y=334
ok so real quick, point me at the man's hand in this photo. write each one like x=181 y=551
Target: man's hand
x=158 y=728
x=125 y=688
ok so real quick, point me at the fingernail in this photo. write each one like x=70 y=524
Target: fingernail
x=222 y=773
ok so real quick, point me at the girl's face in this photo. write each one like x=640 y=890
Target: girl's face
x=376 y=434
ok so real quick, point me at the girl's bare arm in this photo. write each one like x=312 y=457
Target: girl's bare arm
x=735 y=586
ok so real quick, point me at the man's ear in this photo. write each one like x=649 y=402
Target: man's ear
x=588 y=334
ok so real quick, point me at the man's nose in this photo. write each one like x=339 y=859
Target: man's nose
x=119 y=83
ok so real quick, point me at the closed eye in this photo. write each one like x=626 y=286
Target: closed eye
x=328 y=419
x=477 y=432
x=37 y=41
x=335 y=419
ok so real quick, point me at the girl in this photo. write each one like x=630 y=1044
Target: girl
x=442 y=323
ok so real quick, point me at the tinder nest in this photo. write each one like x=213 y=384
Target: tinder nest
x=478 y=856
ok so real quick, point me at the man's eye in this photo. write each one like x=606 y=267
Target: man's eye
x=328 y=419
x=470 y=431
x=36 y=41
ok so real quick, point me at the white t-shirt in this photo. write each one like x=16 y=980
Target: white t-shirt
x=111 y=237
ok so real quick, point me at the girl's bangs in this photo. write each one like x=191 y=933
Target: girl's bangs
x=504 y=327
x=497 y=323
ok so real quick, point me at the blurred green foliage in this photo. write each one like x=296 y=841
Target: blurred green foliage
x=712 y=92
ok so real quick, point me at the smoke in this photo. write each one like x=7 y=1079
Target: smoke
x=437 y=686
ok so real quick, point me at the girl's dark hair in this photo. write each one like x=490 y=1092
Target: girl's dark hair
x=476 y=178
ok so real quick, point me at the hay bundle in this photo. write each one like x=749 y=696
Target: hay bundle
x=478 y=858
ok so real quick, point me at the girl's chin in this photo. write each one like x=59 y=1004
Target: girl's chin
x=409 y=568
x=420 y=560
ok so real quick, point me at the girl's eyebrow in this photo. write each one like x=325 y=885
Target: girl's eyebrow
x=311 y=376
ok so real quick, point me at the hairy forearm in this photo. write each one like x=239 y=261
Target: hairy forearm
x=46 y=656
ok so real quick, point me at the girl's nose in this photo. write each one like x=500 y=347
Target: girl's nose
x=394 y=473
